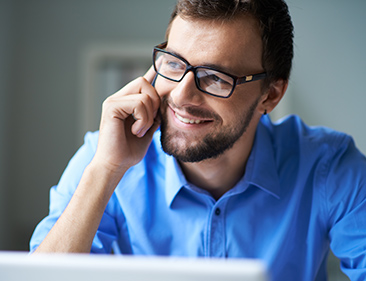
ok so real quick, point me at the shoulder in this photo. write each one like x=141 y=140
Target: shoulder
x=292 y=132
x=338 y=167
x=328 y=156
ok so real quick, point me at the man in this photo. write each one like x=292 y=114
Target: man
x=218 y=179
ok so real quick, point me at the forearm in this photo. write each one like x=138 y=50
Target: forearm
x=129 y=120
x=75 y=229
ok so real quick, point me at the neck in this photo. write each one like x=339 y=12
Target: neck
x=221 y=174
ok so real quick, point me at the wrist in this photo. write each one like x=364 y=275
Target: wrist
x=108 y=165
x=102 y=179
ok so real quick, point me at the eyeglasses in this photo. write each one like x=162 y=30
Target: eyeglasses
x=208 y=80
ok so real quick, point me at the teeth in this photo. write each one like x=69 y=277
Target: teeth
x=186 y=120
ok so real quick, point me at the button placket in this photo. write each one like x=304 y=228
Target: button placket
x=216 y=237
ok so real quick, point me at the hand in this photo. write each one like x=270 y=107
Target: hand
x=129 y=120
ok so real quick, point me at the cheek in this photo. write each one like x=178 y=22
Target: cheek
x=231 y=115
x=163 y=87
x=238 y=109
x=227 y=111
x=245 y=96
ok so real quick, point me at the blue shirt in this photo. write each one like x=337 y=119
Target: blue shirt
x=304 y=190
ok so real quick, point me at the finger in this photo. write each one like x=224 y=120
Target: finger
x=144 y=116
x=141 y=124
x=149 y=90
x=150 y=74
x=142 y=86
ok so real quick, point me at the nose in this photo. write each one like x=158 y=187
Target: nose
x=186 y=93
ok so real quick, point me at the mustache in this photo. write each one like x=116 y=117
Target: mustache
x=191 y=110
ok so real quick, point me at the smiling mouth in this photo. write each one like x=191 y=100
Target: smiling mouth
x=186 y=120
x=190 y=121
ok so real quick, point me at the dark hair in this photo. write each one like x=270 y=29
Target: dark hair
x=274 y=20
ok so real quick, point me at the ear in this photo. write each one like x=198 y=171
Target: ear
x=272 y=96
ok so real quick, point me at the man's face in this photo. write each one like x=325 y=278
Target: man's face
x=196 y=126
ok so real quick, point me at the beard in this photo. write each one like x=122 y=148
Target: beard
x=212 y=145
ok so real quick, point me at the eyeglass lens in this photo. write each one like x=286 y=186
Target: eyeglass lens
x=207 y=80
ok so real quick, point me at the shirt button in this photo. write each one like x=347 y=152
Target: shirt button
x=217 y=212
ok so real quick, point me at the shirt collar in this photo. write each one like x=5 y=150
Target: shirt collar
x=261 y=169
x=175 y=179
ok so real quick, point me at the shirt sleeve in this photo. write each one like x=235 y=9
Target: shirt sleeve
x=346 y=202
x=61 y=194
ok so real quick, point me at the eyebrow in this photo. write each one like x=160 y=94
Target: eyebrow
x=212 y=65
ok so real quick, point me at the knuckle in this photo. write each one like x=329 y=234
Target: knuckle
x=146 y=99
x=106 y=103
x=140 y=103
x=140 y=80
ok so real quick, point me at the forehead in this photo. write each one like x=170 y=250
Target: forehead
x=236 y=45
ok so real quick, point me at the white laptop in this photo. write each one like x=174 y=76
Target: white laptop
x=77 y=267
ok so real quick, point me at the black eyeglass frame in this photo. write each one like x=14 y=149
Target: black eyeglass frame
x=237 y=80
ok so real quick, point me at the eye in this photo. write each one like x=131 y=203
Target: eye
x=171 y=63
x=212 y=77
x=216 y=78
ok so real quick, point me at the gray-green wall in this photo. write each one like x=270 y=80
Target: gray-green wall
x=41 y=45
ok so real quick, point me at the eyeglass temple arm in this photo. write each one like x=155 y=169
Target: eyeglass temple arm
x=250 y=78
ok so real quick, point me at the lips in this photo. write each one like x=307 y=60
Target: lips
x=189 y=116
